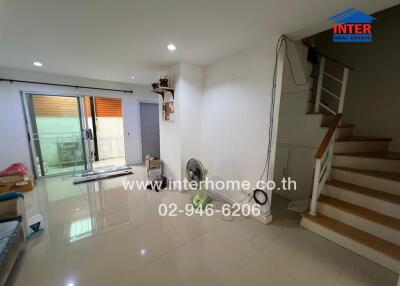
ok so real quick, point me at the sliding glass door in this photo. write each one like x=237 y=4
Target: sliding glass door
x=56 y=128
x=105 y=120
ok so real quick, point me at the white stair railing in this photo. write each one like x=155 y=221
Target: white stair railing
x=323 y=162
x=343 y=85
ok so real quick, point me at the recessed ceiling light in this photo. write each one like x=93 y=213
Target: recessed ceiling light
x=171 y=47
x=38 y=64
x=132 y=77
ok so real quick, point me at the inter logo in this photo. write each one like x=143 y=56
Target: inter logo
x=352 y=26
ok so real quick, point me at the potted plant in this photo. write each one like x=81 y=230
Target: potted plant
x=163 y=81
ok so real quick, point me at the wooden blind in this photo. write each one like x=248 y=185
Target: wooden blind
x=63 y=106
x=57 y=106
x=108 y=107
x=88 y=108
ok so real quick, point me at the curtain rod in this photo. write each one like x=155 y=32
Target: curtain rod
x=66 y=85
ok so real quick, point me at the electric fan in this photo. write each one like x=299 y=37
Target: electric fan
x=195 y=172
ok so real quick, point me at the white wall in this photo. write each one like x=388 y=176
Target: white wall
x=301 y=68
x=170 y=137
x=372 y=99
x=299 y=135
x=180 y=139
x=235 y=114
x=222 y=116
x=190 y=110
x=13 y=140
x=234 y=107
x=295 y=127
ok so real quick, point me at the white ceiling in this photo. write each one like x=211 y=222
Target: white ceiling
x=114 y=39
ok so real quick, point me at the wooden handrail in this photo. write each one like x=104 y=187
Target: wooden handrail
x=328 y=136
x=335 y=60
x=328 y=57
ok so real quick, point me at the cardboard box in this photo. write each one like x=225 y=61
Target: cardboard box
x=22 y=186
x=153 y=163
x=12 y=179
x=5 y=188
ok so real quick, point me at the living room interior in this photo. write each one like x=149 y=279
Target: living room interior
x=117 y=117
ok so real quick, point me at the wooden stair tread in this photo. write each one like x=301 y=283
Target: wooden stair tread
x=372 y=241
x=340 y=126
x=394 y=176
x=374 y=155
x=368 y=214
x=361 y=139
x=365 y=191
x=318 y=113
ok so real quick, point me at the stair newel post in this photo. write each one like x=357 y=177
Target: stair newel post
x=343 y=89
x=319 y=86
x=314 y=197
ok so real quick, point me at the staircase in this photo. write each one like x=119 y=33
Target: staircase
x=359 y=205
x=356 y=190
x=356 y=185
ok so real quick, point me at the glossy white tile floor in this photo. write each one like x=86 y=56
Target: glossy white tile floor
x=99 y=234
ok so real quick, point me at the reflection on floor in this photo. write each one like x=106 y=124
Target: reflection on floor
x=99 y=234
x=54 y=170
x=117 y=162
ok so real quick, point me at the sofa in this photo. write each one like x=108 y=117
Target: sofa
x=12 y=231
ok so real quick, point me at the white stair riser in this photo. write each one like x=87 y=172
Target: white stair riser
x=376 y=183
x=361 y=200
x=341 y=132
x=344 y=132
x=327 y=119
x=367 y=163
x=359 y=248
x=371 y=227
x=310 y=107
x=361 y=146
